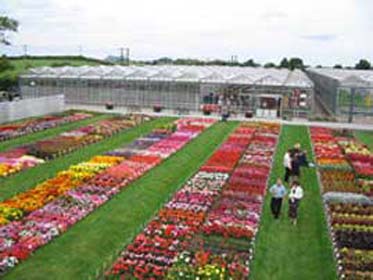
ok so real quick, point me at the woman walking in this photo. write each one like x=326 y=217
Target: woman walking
x=295 y=196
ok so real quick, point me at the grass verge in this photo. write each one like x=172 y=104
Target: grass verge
x=287 y=252
x=366 y=137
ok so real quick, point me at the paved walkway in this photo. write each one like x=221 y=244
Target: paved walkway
x=123 y=110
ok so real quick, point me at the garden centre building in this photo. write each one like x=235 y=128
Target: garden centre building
x=254 y=91
x=344 y=92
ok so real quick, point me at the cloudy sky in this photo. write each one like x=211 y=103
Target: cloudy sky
x=321 y=31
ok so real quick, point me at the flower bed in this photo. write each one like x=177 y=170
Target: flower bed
x=153 y=251
x=348 y=211
x=352 y=232
x=11 y=131
x=35 y=217
x=166 y=248
x=28 y=156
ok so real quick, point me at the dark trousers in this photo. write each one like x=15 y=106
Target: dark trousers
x=276 y=207
x=287 y=174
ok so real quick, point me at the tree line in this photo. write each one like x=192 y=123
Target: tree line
x=287 y=63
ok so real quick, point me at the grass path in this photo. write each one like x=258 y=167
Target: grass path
x=366 y=137
x=26 y=139
x=80 y=251
x=287 y=252
x=29 y=178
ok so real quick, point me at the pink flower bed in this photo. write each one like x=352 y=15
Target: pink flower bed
x=19 y=239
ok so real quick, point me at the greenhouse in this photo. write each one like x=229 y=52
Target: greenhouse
x=344 y=92
x=256 y=92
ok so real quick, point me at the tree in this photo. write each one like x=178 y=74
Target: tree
x=250 y=63
x=296 y=63
x=338 y=66
x=269 y=65
x=284 y=63
x=319 y=66
x=5 y=64
x=7 y=25
x=163 y=60
x=363 y=64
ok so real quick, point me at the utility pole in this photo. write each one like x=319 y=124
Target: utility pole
x=80 y=50
x=128 y=56
x=25 y=50
x=122 y=55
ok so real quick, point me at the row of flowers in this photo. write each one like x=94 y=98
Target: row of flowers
x=179 y=242
x=335 y=170
x=11 y=131
x=327 y=151
x=348 y=210
x=351 y=228
x=69 y=204
x=30 y=155
x=156 y=249
x=360 y=158
x=228 y=233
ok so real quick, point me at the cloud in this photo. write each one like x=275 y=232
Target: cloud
x=320 y=37
x=275 y=15
x=266 y=30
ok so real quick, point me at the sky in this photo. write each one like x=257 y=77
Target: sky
x=323 y=32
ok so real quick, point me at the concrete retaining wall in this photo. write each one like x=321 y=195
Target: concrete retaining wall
x=11 y=111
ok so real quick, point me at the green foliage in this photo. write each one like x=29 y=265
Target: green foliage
x=270 y=65
x=7 y=24
x=60 y=64
x=363 y=64
x=296 y=63
x=250 y=63
x=8 y=80
x=292 y=63
x=5 y=64
x=338 y=66
x=284 y=63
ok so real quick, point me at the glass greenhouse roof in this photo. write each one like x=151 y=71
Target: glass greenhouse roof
x=346 y=76
x=202 y=74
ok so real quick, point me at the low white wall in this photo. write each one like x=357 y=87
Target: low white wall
x=11 y=111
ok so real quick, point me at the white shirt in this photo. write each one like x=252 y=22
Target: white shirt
x=296 y=193
x=287 y=160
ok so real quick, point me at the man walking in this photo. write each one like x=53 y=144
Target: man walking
x=278 y=192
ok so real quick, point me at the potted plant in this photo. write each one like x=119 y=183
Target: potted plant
x=249 y=114
x=109 y=106
x=157 y=108
x=206 y=110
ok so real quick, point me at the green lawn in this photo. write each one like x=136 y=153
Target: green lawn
x=20 y=65
x=287 y=252
x=82 y=250
x=366 y=137
x=27 y=179
x=26 y=139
